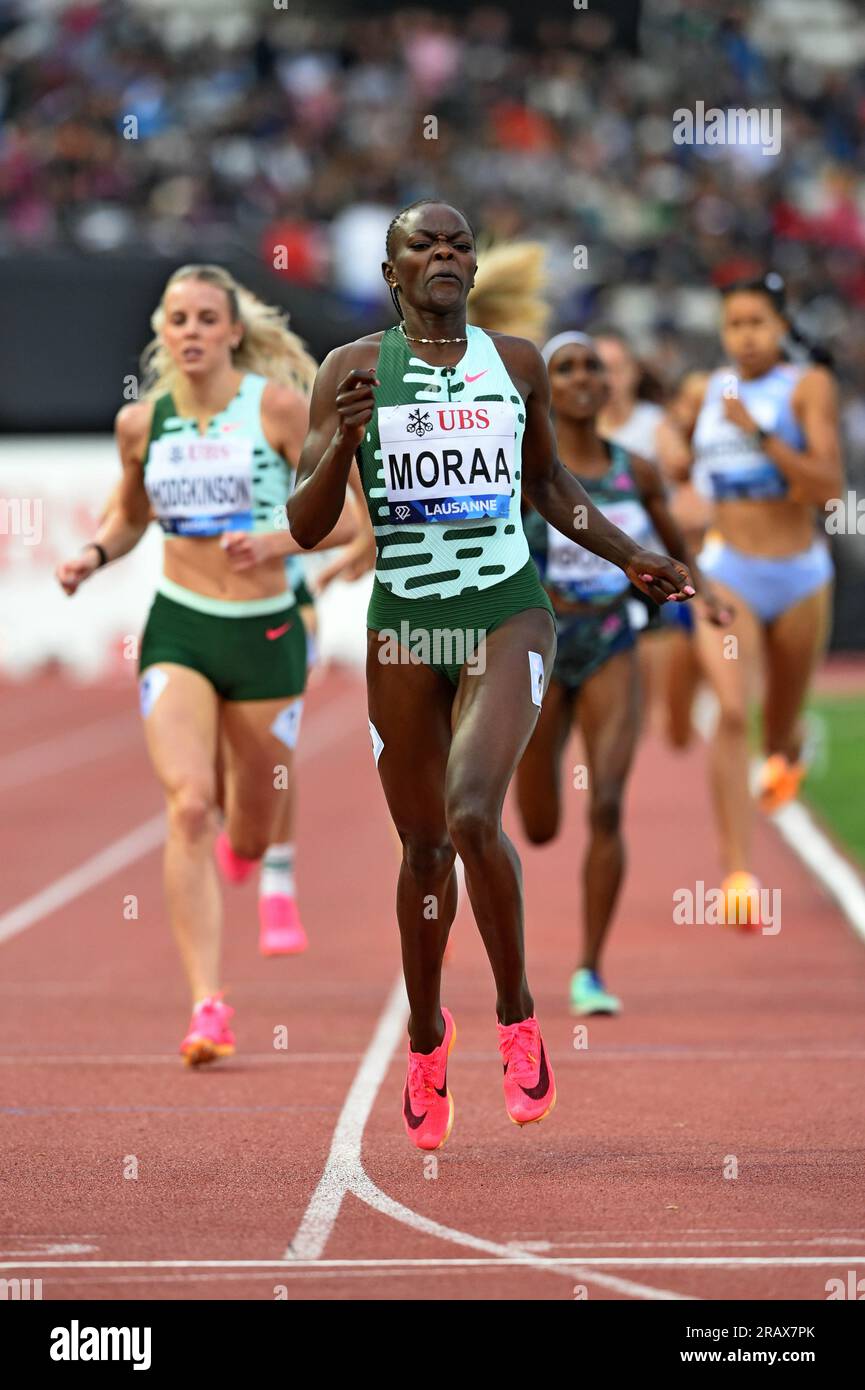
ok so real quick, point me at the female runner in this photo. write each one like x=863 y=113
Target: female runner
x=281 y=932
x=634 y=418
x=209 y=451
x=595 y=681
x=763 y=442
x=447 y=424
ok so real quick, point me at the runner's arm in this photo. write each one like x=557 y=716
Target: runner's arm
x=654 y=499
x=126 y=514
x=676 y=430
x=815 y=473
x=359 y=556
x=341 y=407
x=565 y=504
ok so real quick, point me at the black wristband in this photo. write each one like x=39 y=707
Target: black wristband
x=101 y=551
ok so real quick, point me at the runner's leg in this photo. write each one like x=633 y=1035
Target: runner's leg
x=494 y=717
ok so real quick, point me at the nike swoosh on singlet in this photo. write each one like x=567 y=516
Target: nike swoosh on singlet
x=273 y=632
x=540 y=1090
x=477 y=374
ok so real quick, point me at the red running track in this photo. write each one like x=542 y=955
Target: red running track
x=735 y=1053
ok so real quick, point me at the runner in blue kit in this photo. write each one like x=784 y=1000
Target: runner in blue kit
x=762 y=442
x=448 y=424
x=595 y=681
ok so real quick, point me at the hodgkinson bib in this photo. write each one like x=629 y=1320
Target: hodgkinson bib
x=448 y=463
x=200 y=487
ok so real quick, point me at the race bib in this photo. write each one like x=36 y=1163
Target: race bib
x=729 y=464
x=200 y=487
x=447 y=463
x=569 y=563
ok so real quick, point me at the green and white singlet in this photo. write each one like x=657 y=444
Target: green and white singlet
x=228 y=479
x=441 y=467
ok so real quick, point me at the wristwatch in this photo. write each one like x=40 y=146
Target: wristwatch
x=762 y=436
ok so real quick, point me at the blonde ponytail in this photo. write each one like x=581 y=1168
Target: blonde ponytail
x=268 y=347
x=508 y=294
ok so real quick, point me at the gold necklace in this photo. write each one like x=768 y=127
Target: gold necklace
x=430 y=340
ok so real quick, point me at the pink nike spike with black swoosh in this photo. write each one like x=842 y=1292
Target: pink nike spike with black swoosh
x=530 y=1087
x=427 y=1104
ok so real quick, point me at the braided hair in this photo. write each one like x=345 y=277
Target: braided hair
x=388 y=240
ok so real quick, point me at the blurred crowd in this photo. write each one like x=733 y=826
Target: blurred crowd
x=298 y=130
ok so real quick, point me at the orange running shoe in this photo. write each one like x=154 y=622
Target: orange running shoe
x=530 y=1087
x=742 y=900
x=427 y=1104
x=209 y=1036
x=779 y=782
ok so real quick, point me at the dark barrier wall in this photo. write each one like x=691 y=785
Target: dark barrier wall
x=74 y=327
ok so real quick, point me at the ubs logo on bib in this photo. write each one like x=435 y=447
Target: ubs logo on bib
x=419 y=424
x=448 y=464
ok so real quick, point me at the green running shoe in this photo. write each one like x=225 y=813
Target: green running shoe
x=588 y=995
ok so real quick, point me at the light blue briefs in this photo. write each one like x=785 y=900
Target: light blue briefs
x=768 y=586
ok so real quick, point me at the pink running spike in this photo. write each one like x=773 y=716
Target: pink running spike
x=427 y=1104
x=282 y=932
x=530 y=1087
x=233 y=867
x=209 y=1036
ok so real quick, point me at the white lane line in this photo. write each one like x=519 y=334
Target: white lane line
x=800 y=831
x=674 y=1244
x=328 y=728
x=344 y=1172
x=101 y=739
x=363 y=1187
x=568 y=1265
x=101 y=866
x=343 y=1160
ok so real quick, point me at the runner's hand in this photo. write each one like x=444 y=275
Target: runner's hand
x=354 y=560
x=355 y=403
x=713 y=608
x=243 y=549
x=663 y=579
x=736 y=412
x=71 y=574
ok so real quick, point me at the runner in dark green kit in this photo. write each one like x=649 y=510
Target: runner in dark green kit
x=448 y=424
